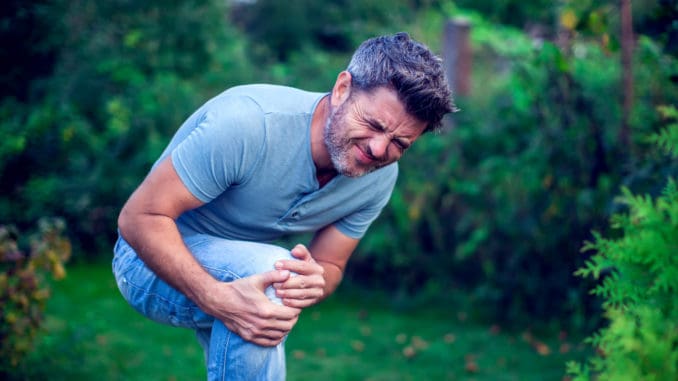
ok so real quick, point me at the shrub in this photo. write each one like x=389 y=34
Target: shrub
x=639 y=273
x=496 y=208
x=23 y=286
x=116 y=95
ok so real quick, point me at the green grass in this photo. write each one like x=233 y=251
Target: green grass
x=91 y=334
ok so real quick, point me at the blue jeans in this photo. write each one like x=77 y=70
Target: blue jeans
x=227 y=355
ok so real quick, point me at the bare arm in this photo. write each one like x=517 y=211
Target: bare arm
x=147 y=222
x=321 y=268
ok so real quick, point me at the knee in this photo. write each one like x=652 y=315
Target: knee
x=276 y=252
x=265 y=261
x=263 y=257
x=228 y=260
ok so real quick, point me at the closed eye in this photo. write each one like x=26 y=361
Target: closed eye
x=376 y=126
x=401 y=144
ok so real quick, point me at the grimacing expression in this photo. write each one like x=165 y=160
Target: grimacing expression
x=369 y=131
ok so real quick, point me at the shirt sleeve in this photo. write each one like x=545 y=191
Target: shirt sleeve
x=355 y=225
x=223 y=148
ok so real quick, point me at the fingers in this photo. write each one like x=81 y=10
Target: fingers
x=300 y=303
x=268 y=331
x=301 y=291
x=301 y=252
x=280 y=317
x=264 y=280
x=302 y=282
x=245 y=309
x=267 y=338
x=261 y=336
x=307 y=286
x=264 y=342
x=301 y=298
x=300 y=267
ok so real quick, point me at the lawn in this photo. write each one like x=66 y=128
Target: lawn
x=91 y=334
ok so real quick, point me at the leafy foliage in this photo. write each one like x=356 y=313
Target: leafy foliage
x=515 y=13
x=498 y=205
x=117 y=93
x=668 y=137
x=337 y=25
x=638 y=274
x=495 y=208
x=23 y=286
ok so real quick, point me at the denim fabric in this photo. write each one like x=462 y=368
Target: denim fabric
x=228 y=356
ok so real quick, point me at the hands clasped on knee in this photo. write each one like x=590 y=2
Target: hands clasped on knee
x=244 y=308
x=307 y=286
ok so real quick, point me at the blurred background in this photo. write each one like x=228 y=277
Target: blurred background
x=487 y=222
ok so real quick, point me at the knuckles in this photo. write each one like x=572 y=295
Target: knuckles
x=264 y=312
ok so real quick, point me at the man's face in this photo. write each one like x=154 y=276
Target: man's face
x=369 y=131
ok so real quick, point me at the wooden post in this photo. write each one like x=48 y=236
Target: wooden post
x=627 y=71
x=457 y=55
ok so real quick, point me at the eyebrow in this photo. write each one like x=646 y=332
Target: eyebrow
x=375 y=123
x=380 y=126
x=406 y=141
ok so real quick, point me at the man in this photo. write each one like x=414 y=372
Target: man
x=258 y=162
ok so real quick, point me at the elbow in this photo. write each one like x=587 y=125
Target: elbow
x=125 y=221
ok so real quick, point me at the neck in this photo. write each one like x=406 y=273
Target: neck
x=324 y=170
x=321 y=157
x=324 y=177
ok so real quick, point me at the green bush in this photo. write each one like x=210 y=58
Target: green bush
x=496 y=207
x=24 y=288
x=117 y=94
x=638 y=274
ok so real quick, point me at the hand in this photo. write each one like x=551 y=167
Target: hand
x=244 y=308
x=305 y=288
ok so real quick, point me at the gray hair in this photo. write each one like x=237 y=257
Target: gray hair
x=408 y=67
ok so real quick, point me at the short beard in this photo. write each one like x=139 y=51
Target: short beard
x=339 y=146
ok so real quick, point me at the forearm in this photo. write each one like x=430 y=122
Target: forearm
x=147 y=222
x=240 y=304
x=157 y=241
x=331 y=249
x=333 y=276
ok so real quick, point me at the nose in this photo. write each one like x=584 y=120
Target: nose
x=379 y=146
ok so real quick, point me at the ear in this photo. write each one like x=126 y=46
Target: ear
x=342 y=89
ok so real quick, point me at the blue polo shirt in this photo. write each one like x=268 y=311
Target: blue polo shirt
x=247 y=154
